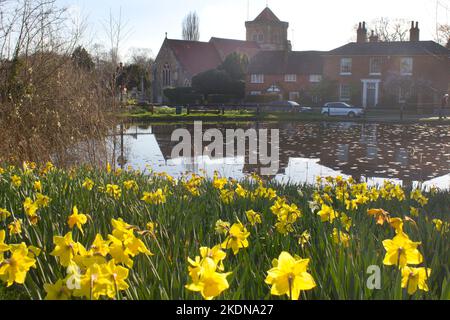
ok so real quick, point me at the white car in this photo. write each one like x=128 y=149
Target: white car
x=342 y=109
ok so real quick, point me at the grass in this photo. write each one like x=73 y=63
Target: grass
x=186 y=222
x=169 y=115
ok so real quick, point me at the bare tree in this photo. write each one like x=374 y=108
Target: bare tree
x=191 y=27
x=47 y=103
x=443 y=34
x=389 y=30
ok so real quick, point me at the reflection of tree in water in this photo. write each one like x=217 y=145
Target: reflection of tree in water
x=415 y=152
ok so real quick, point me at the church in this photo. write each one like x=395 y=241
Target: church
x=368 y=72
x=179 y=60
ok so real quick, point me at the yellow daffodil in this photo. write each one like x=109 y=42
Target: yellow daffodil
x=327 y=214
x=304 y=238
x=57 y=291
x=131 y=185
x=14 y=269
x=117 y=276
x=77 y=219
x=380 y=215
x=3 y=246
x=289 y=276
x=216 y=254
x=88 y=184
x=346 y=221
x=341 y=238
x=401 y=251
x=220 y=183
x=30 y=207
x=113 y=191
x=42 y=201
x=4 y=214
x=15 y=227
x=16 y=181
x=237 y=238
x=222 y=227
x=397 y=224
x=227 y=196
x=414 y=211
x=206 y=280
x=155 y=198
x=241 y=192
x=65 y=249
x=253 y=217
x=415 y=278
x=119 y=252
x=37 y=185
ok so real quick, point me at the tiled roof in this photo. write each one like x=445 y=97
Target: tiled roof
x=195 y=56
x=391 y=48
x=287 y=62
x=267 y=15
x=228 y=46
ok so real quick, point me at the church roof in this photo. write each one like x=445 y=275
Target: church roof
x=195 y=56
x=267 y=15
x=228 y=46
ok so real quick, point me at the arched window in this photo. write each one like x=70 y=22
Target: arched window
x=255 y=37
x=166 y=75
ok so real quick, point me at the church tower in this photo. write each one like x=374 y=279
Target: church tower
x=268 y=31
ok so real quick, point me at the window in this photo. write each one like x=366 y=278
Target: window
x=187 y=83
x=260 y=37
x=345 y=94
x=375 y=66
x=403 y=94
x=294 y=96
x=257 y=78
x=346 y=66
x=290 y=78
x=273 y=89
x=166 y=75
x=406 y=66
x=255 y=37
x=315 y=77
x=255 y=93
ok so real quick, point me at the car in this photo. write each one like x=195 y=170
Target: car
x=291 y=105
x=342 y=109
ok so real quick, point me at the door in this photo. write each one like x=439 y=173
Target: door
x=371 y=94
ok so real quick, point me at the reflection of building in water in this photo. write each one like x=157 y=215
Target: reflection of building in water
x=371 y=151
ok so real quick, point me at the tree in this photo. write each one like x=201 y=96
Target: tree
x=235 y=65
x=191 y=27
x=443 y=34
x=389 y=30
x=82 y=59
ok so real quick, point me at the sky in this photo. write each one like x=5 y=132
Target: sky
x=313 y=24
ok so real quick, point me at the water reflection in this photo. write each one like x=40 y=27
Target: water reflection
x=406 y=154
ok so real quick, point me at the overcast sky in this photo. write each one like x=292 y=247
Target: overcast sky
x=314 y=24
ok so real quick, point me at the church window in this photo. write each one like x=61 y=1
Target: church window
x=166 y=75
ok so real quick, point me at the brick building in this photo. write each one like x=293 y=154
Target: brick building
x=373 y=73
x=367 y=72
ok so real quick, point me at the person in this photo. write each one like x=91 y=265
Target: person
x=444 y=104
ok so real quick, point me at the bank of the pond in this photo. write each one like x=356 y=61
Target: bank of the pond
x=279 y=116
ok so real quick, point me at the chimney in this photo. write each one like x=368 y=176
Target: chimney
x=373 y=37
x=414 y=33
x=361 y=33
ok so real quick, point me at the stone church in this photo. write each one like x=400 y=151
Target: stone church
x=179 y=60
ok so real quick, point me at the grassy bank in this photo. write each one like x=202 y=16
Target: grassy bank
x=141 y=115
x=166 y=221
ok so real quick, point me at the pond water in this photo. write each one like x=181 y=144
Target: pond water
x=412 y=154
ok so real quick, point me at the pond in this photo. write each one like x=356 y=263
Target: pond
x=409 y=154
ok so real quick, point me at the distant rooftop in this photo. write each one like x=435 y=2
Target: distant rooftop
x=391 y=48
x=287 y=62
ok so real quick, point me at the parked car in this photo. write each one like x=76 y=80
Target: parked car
x=342 y=109
x=291 y=105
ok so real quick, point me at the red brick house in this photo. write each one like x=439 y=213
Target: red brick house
x=372 y=73
x=286 y=73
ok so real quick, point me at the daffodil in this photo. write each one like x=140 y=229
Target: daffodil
x=415 y=278
x=113 y=191
x=100 y=246
x=341 y=238
x=206 y=280
x=37 y=185
x=16 y=181
x=30 y=207
x=155 y=198
x=4 y=214
x=222 y=227
x=57 y=291
x=131 y=185
x=216 y=254
x=77 y=219
x=401 y=251
x=304 y=238
x=65 y=249
x=88 y=184
x=117 y=276
x=220 y=183
x=119 y=252
x=15 y=227
x=93 y=284
x=253 y=217
x=42 y=201
x=289 y=276
x=327 y=214
x=3 y=246
x=380 y=215
x=15 y=268
x=237 y=238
